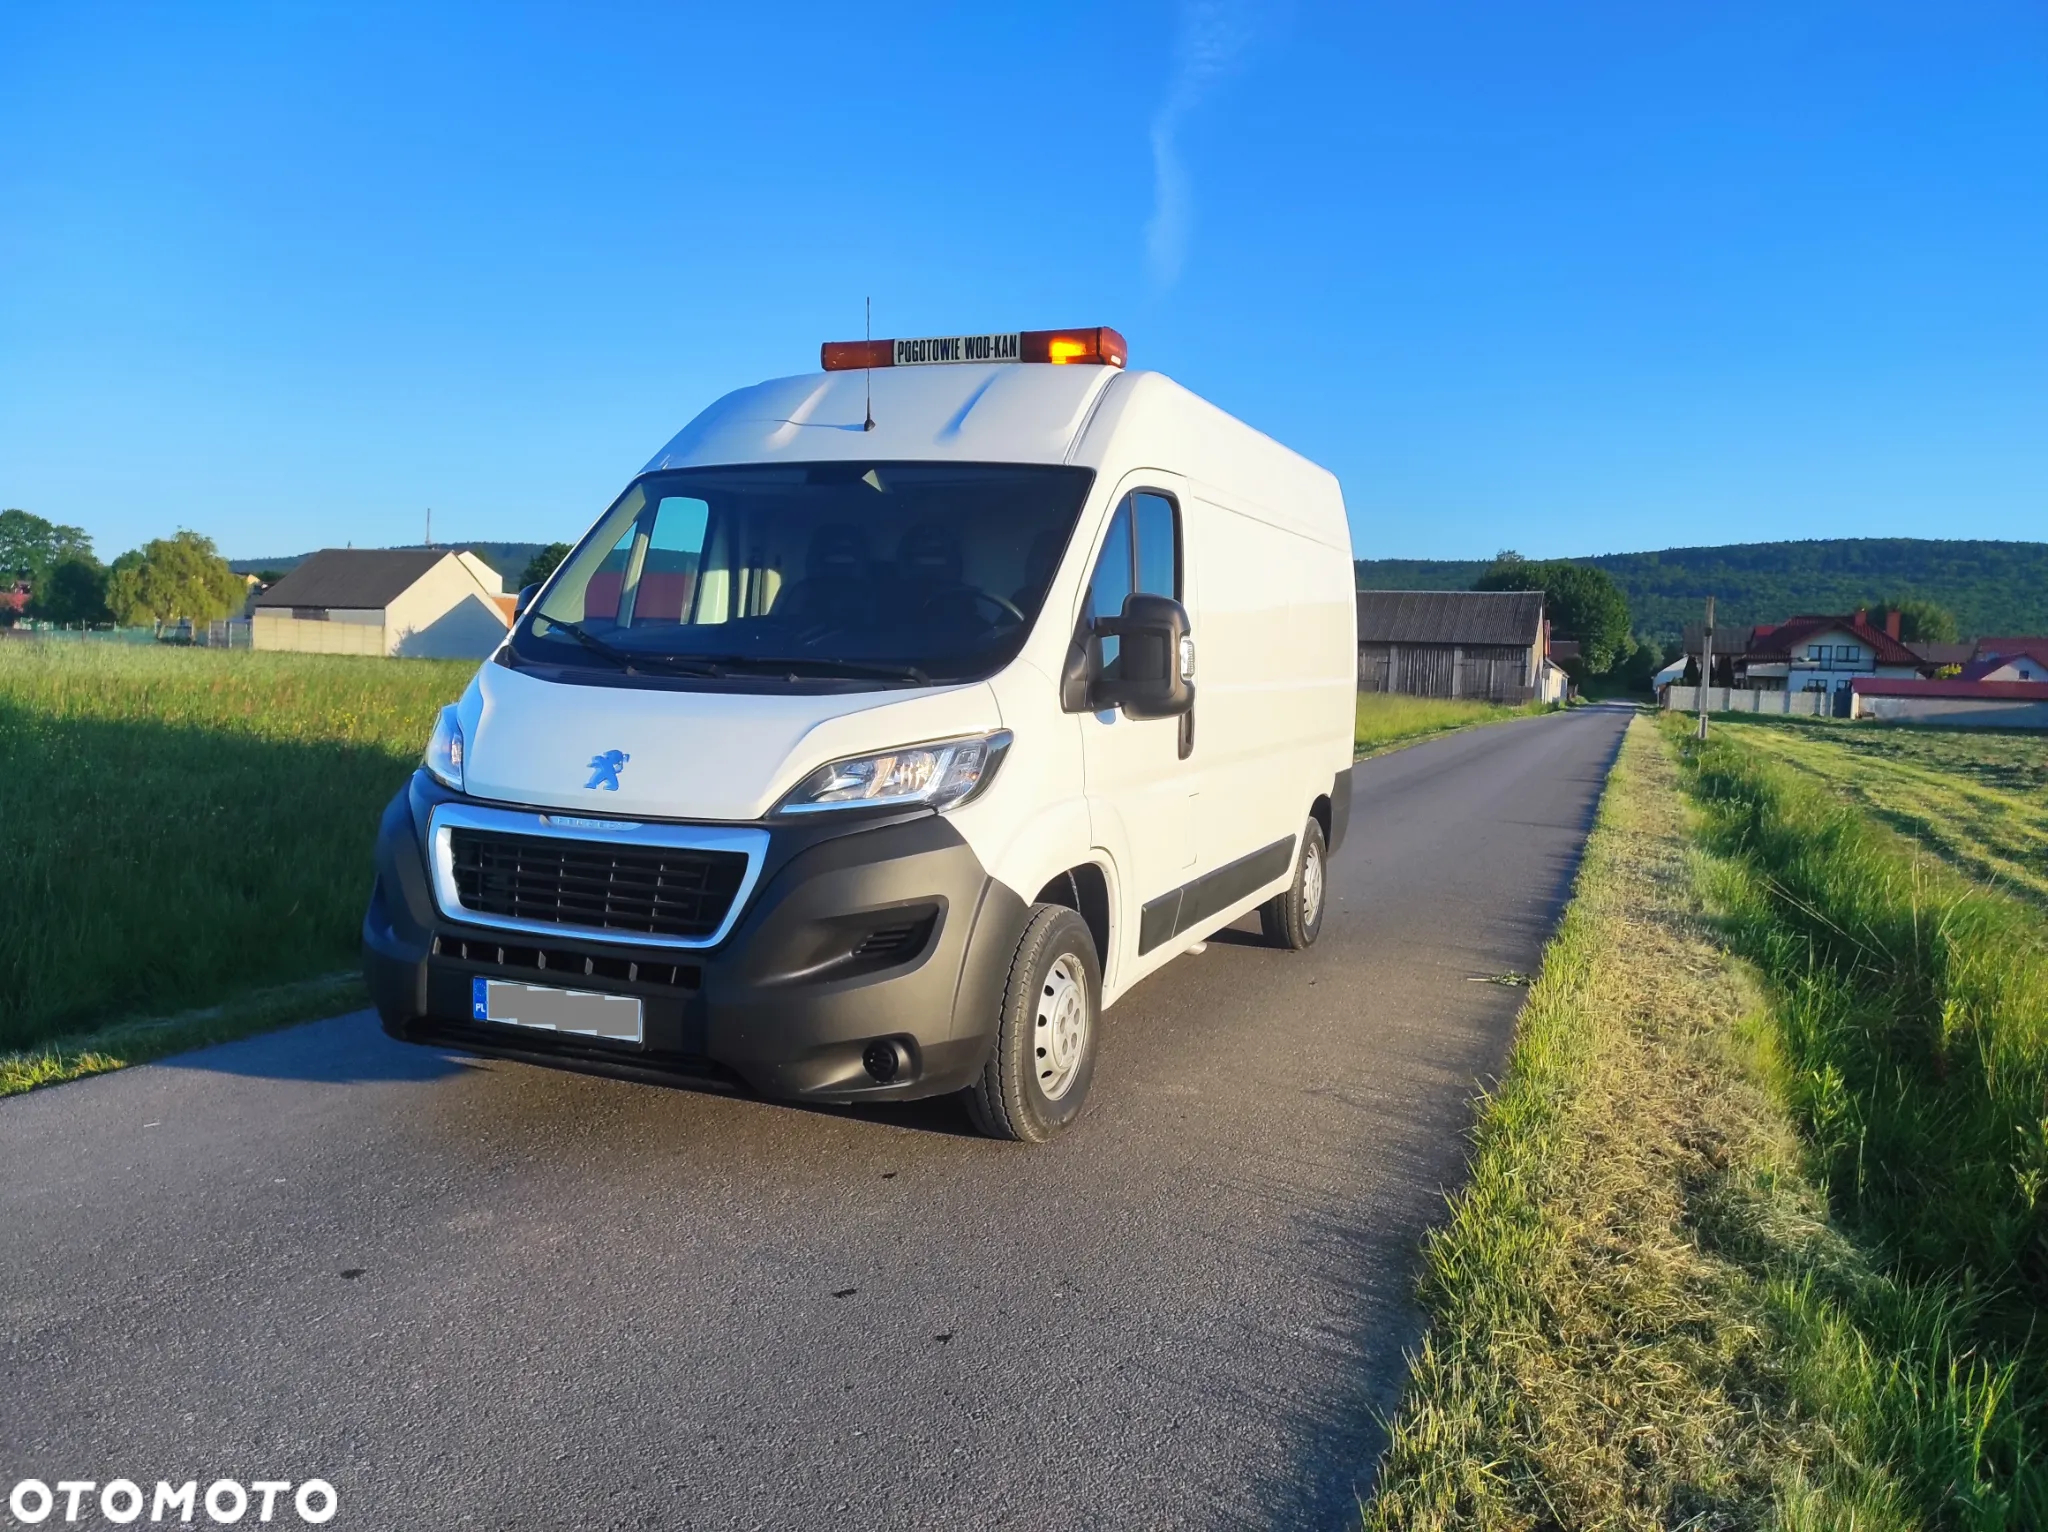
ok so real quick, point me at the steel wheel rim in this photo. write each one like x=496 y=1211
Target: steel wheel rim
x=1059 y=1032
x=1311 y=887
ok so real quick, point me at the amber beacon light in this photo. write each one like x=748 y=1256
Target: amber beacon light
x=1099 y=346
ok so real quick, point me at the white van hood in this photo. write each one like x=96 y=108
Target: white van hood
x=689 y=754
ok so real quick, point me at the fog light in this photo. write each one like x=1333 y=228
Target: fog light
x=885 y=1060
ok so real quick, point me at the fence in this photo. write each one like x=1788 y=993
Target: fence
x=228 y=633
x=1738 y=699
x=220 y=633
x=44 y=633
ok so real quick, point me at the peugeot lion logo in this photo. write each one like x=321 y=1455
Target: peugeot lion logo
x=605 y=769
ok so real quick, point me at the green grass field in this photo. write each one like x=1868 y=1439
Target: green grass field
x=1389 y=720
x=1976 y=797
x=183 y=827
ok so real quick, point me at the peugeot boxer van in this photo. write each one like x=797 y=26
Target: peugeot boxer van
x=894 y=722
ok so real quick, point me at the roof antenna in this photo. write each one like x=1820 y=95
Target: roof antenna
x=869 y=372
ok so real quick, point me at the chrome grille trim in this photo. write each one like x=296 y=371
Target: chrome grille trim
x=446 y=818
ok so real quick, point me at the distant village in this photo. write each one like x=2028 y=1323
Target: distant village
x=1547 y=632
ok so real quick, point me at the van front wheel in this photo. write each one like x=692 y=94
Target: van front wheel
x=1294 y=919
x=1036 y=1081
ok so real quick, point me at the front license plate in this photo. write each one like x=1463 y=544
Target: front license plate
x=615 y=1017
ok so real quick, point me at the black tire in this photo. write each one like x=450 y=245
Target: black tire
x=1294 y=919
x=1055 y=967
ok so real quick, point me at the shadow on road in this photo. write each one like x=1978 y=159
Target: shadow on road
x=353 y=1050
x=343 y=1050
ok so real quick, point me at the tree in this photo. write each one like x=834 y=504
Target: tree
x=543 y=564
x=1638 y=668
x=32 y=546
x=75 y=591
x=1582 y=603
x=1920 y=621
x=173 y=577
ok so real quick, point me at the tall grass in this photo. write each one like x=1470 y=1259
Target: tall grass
x=180 y=826
x=1388 y=719
x=1912 y=1023
x=1916 y=1020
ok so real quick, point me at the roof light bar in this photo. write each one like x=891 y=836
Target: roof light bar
x=1099 y=346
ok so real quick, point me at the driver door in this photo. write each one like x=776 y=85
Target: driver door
x=1140 y=781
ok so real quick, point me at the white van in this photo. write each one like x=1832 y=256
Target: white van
x=892 y=724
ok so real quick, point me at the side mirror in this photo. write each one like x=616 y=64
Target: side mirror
x=1154 y=672
x=525 y=600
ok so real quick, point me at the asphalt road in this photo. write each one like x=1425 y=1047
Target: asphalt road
x=473 y=1293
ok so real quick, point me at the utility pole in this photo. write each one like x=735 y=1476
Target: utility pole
x=430 y=526
x=1706 y=663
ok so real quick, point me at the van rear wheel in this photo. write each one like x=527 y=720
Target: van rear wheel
x=1036 y=1080
x=1294 y=919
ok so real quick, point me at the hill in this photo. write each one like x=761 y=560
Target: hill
x=1992 y=587
x=507 y=558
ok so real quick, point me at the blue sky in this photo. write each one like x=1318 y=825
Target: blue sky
x=1571 y=279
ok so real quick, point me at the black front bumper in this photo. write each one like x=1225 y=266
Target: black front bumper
x=787 y=1004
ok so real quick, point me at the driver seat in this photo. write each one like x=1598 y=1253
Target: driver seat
x=837 y=587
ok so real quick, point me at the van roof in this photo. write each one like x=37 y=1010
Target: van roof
x=1010 y=412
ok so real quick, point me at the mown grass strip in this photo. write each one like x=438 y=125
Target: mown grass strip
x=1641 y=1312
x=140 y=1040
x=1392 y=720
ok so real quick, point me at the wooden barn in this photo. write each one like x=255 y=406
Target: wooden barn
x=1489 y=645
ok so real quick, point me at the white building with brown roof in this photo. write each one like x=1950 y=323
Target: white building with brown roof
x=411 y=603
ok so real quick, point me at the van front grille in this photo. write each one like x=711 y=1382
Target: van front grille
x=664 y=891
x=557 y=964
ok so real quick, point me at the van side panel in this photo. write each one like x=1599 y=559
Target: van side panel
x=1273 y=677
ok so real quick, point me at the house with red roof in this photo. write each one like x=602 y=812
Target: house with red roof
x=1822 y=654
x=1866 y=672
x=2008 y=659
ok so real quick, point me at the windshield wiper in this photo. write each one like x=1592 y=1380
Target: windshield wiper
x=795 y=665
x=675 y=664
x=589 y=641
x=715 y=665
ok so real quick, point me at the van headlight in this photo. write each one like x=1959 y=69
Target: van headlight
x=443 y=759
x=939 y=776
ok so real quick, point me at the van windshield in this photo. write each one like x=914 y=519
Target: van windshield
x=862 y=574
